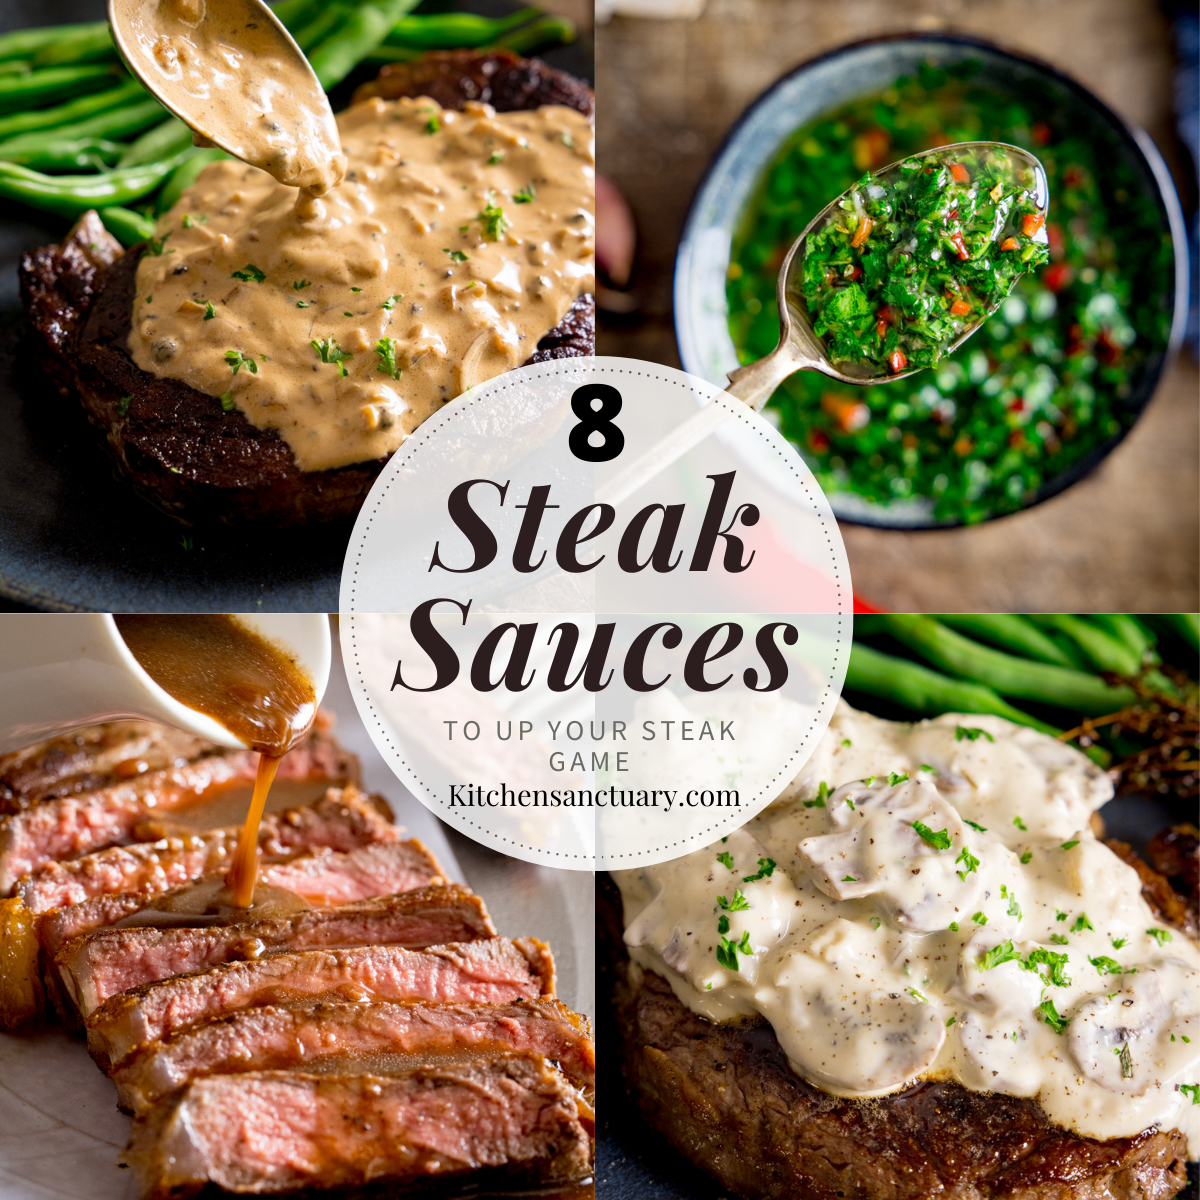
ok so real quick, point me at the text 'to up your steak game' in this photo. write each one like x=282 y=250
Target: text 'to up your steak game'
x=579 y=661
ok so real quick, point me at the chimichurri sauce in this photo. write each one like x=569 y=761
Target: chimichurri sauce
x=1041 y=384
x=912 y=258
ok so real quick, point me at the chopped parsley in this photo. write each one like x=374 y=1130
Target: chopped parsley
x=846 y=742
x=526 y=195
x=354 y=289
x=870 y=779
x=1070 y=845
x=980 y=918
x=189 y=220
x=568 y=140
x=386 y=349
x=1060 y=939
x=912 y=991
x=953 y=926
x=975 y=825
x=1051 y=1017
x=391 y=301
x=455 y=255
x=970 y=733
x=727 y=951
x=849 y=879
x=739 y=903
x=249 y=274
x=432 y=125
x=346 y=314
x=1059 y=915
x=209 y=311
x=1054 y=963
x=726 y=860
x=1020 y=824
x=1126 y=1060
x=998 y=955
x=1191 y=1089
x=722 y=924
x=969 y=861
x=1107 y=966
x=123 y=405
x=894 y=779
x=939 y=839
x=822 y=796
x=1014 y=909
x=765 y=868
x=851 y=804
x=1161 y=936
x=933 y=771
x=1082 y=923
x=330 y=352
x=301 y=284
x=1117 y=943
x=493 y=220
x=155 y=245
x=304 y=304
x=950 y=1021
x=1026 y=858
x=497 y=157
x=237 y=360
x=227 y=401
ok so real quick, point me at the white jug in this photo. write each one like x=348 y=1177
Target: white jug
x=58 y=672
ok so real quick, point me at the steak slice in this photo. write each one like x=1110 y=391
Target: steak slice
x=177 y=447
x=73 y=825
x=300 y=1035
x=98 y=965
x=510 y=1120
x=726 y=1098
x=92 y=757
x=495 y=971
x=343 y=819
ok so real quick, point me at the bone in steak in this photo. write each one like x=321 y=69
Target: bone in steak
x=510 y=1121
x=300 y=1035
x=495 y=970
x=98 y=965
x=75 y=825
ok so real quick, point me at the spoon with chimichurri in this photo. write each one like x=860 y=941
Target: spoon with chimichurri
x=887 y=279
x=904 y=266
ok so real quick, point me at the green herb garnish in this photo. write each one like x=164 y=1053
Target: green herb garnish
x=249 y=274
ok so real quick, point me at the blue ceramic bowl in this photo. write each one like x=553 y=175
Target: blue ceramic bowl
x=814 y=88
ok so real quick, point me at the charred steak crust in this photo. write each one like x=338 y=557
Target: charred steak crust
x=177 y=447
x=725 y=1097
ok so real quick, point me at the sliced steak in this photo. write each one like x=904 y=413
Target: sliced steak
x=92 y=757
x=177 y=447
x=73 y=825
x=301 y=1035
x=494 y=971
x=726 y=1098
x=510 y=1120
x=496 y=77
x=98 y=965
x=343 y=819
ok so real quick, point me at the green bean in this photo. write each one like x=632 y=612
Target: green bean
x=63 y=154
x=184 y=176
x=365 y=28
x=545 y=31
x=73 y=112
x=921 y=690
x=24 y=42
x=391 y=54
x=70 y=195
x=1103 y=651
x=53 y=83
x=455 y=30
x=1009 y=632
x=1130 y=631
x=320 y=25
x=127 y=226
x=124 y=121
x=1010 y=676
x=14 y=66
x=1185 y=626
x=292 y=12
x=171 y=137
x=92 y=45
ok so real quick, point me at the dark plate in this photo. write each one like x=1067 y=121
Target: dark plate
x=72 y=536
x=815 y=87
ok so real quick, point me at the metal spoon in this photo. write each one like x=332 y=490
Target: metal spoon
x=799 y=348
x=231 y=72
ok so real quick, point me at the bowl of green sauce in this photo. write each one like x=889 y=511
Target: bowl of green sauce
x=1054 y=379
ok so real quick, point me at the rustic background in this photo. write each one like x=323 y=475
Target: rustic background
x=1127 y=538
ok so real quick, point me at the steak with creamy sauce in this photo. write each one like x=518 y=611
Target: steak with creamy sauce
x=343 y=1032
x=726 y=1098
x=507 y=1121
x=178 y=447
x=98 y=965
x=494 y=970
x=69 y=826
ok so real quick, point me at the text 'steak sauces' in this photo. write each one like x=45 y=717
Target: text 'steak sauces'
x=455 y=242
x=929 y=901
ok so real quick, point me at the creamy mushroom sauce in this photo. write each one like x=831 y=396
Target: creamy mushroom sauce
x=456 y=241
x=880 y=958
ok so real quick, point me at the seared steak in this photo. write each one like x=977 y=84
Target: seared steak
x=495 y=971
x=98 y=965
x=89 y=758
x=343 y=819
x=300 y=1035
x=726 y=1098
x=74 y=825
x=513 y=1118
x=179 y=448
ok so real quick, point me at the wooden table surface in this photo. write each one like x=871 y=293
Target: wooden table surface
x=1125 y=539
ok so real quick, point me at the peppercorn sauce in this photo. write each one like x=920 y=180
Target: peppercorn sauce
x=929 y=901
x=456 y=241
